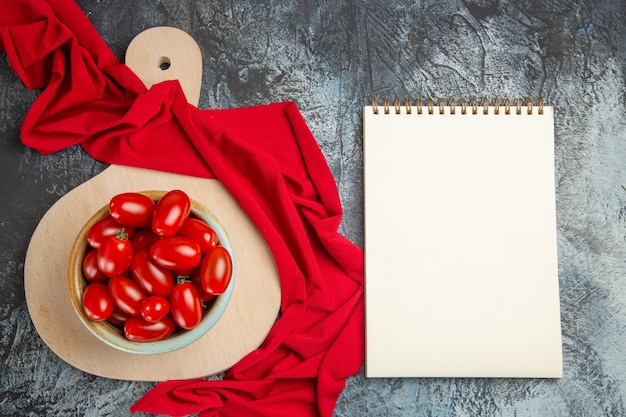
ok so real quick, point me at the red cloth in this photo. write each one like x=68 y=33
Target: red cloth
x=264 y=155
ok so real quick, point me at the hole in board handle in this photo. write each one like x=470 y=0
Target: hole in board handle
x=164 y=63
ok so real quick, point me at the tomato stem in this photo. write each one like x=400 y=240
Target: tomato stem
x=121 y=235
x=182 y=279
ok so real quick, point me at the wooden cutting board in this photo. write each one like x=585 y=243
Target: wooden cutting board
x=155 y=55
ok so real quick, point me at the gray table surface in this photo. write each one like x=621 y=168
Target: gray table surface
x=331 y=58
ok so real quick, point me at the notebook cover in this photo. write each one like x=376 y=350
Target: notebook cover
x=461 y=274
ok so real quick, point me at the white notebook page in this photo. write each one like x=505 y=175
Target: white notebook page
x=461 y=272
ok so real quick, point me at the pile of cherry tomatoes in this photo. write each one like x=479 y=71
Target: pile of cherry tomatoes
x=152 y=267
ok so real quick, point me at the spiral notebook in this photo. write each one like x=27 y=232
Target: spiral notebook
x=461 y=272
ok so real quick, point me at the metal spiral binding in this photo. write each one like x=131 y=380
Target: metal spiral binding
x=472 y=105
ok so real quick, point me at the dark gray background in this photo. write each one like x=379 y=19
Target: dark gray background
x=331 y=58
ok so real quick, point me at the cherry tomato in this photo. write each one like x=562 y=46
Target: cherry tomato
x=200 y=232
x=97 y=303
x=170 y=212
x=195 y=280
x=143 y=239
x=216 y=270
x=91 y=272
x=103 y=228
x=154 y=308
x=115 y=254
x=127 y=295
x=139 y=330
x=118 y=317
x=185 y=305
x=132 y=209
x=151 y=277
x=176 y=252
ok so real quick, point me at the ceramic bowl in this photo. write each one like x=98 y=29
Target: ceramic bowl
x=112 y=335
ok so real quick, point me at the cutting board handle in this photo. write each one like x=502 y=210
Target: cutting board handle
x=165 y=53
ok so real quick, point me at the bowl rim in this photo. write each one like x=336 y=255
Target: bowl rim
x=110 y=334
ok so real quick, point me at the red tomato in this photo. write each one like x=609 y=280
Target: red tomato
x=115 y=254
x=91 y=272
x=104 y=228
x=216 y=270
x=127 y=295
x=132 y=209
x=200 y=232
x=97 y=303
x=143 y=239
x=176 y=252
x=186 y=306
x=195 y=280
x=151 y=277
x=154 y=308
x=170 y=212
x=139 y=330
x=118 y=317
